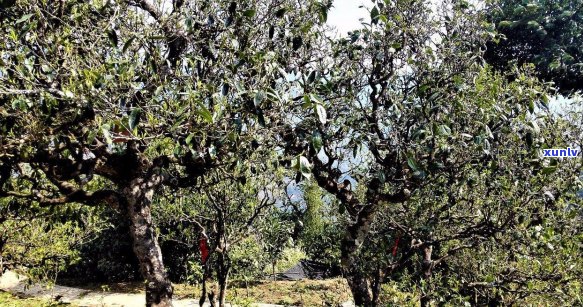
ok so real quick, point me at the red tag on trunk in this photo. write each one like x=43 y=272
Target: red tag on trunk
x=395 y=247
x=204 y=251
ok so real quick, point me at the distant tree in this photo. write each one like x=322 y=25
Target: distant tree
x=275 y=238
x=320 y=223
x=546 y=33
x=228 y=211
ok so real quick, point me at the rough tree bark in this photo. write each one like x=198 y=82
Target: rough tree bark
x=354 y=236
x=139 y=195
x=427 y=267
x=223 y=277
x=223 y=262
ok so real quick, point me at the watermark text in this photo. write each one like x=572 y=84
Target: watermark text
x=561 y=153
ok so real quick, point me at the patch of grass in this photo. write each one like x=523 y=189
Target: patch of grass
x=297 y=293
x=330 y=292
x=9 y=300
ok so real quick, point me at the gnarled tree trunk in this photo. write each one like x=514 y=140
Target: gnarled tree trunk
x=223 y=276
x=427 y=267
x=353 y=239
x=145 y=244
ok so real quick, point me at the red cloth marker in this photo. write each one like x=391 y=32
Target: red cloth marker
x=396 y=246
x=204 y=250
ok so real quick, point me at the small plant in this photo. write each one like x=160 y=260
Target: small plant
x=243 y=302
x=195 y=273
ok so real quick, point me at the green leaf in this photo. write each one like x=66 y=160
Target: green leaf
x=212 y=152
x=315 y=98
x=225 y=89
x=134 y=119
x=317 y=141
x=249 y=13
x=549 y=170
x=178 y=150
x=383 y=18
x=321 y=112
x=91 y=136
x=259 y=96
x=555 y=64
x=534 y=126
x=283 y=73
x=323 y=16
x=412 y=163
x=444 y=130
x=545 y=100
x=113 y=39
x=128 y=44
x=307 y=102
x=23 y=18
x=68 y=94
x=354 y=36
x=106 y=134
x=488 y=132
x=204 y=113
x=312 y=77
x=189 y=139
x=504 y=24
x=420 y=174
x=381 y=176
x=374 y=15
x=305 y=167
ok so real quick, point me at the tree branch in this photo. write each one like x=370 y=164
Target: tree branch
x=148 y=7
x=110 y=197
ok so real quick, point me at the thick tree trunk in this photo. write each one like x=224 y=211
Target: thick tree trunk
x=145 y=244
x=223 y=281
x=206 y=277
x=273 y=270
x=376 y=285
x=353 y=238
x=359 y=287
x=427 y=267
x=2 y=243
x=223 y=270
x=223 y=260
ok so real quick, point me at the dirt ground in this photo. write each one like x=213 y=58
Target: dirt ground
x=332 y=292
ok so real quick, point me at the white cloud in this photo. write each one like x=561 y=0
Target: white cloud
x=345 y=14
